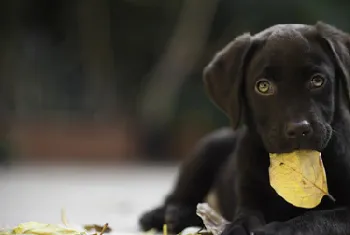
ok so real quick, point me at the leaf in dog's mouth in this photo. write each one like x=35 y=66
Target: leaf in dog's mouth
x=299 y=177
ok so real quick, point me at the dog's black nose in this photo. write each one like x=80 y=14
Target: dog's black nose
x=298 y=129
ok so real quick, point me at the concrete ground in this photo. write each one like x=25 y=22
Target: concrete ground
x=116 y=195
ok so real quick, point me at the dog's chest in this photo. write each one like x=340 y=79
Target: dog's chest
x=277 y=209
x=339 y=186
x=337 y=167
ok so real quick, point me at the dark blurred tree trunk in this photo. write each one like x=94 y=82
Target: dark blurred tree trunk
x=97 y=56
x=161 y=93
x=10 y=54
x=9 y=59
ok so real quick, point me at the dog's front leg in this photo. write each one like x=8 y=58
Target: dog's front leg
x=249 y=213
x=327 y=222
x=251 y=185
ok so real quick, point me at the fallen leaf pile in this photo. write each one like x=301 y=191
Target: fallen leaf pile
x=36 y=228
x=299 y=177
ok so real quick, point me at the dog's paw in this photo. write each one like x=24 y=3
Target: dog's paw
x=242 y=226
x=153 y=219
x=179 y=217
x=274 y=228
x=235 y=229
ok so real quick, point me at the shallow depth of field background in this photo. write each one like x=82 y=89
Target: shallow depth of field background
x=115 y=85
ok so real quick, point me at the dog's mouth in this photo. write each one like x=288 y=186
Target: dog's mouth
x=317 y=145
x=275 y=142
x=292 y=150
x=304 y=146
x=284 y=147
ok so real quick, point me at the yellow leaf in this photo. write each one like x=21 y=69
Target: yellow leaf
x=299 y=177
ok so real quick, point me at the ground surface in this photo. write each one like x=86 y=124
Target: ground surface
x=89 y=195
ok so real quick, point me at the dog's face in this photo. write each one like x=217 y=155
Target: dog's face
x=290 y=92
x=285 y=86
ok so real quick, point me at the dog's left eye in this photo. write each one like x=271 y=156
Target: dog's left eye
x=317 y=81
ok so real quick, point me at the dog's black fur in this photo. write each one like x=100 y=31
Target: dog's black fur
x=285 y=88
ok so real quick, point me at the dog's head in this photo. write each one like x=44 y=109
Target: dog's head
x=286 y=83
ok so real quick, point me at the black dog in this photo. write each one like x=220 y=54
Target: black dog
x=284 y=89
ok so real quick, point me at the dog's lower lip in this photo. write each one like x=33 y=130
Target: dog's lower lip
x=293 y=150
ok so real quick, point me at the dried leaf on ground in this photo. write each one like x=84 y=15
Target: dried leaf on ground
x=97 y=228
x=212 y=220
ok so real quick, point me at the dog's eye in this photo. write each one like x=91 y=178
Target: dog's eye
x=317 y=81
x=264 y=87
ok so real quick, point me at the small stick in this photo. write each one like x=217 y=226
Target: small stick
x=64 y=217
x=165 y=229
x=104 y=228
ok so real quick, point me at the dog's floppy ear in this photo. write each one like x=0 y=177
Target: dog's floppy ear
x=223 y=77
x=339 y=44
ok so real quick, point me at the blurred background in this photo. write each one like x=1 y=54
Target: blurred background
x=119 y=82
x=101 y=81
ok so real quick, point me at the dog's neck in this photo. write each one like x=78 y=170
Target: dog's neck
x=340 y=120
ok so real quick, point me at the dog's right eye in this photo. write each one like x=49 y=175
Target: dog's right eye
x=317 y=81
x=264 y=87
